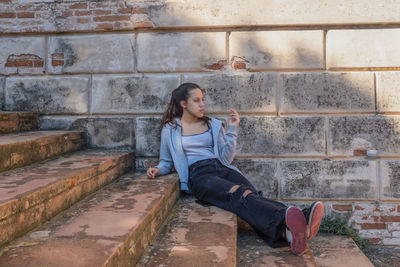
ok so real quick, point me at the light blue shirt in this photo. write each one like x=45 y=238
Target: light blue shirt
x=172 y=154
x=198 y=146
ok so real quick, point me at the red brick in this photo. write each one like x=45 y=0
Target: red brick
x=341 y=207
x=57 y=59
x=7 y=15
x=111 y=18
x=239 y=65
x=143 y=24
x=5 y=1
x=82 y=13
x=390 y=218
x=359 y=152
x=102 y=12
x=105 y=26
x=126 y=10
x=83 y=20
x=358 y=208
x=373 y=240
x=23 y=7
x=57 y=56
x=57 y=63
x=67 y=13
x=78 y=6
x=366 y=226
x=398 y=208
x=24 y=60
x=29 y=15
x=140 y=10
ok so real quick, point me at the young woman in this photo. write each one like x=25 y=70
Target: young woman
x=202 y=151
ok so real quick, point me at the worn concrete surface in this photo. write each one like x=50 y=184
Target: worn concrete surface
x=20 y=149
x=390 y=179
x=181 y=51
x=271 y=12
x=277 y=49
x=109 y=228
x=17 y=121
x=246 y=92
x=76 y=54
x=388 y=91
x=327 y=92
x=33 y=194
x=333 y=250
x=194 y=235
x=254 y=251
x=354 y=48
x=328 y=179
x=132 y=93
x=48 y=94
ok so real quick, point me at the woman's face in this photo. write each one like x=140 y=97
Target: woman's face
x=195 y=103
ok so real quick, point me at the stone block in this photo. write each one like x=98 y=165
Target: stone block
x=259 y=135
x=261 y=174
x=351 y=133
x=245 y=92
x=339 y=179
x=57 y=122
x=390 y=178
x=107 y=132
x=183 y=51
x=278 y=49
x=355 y=48
x=22 y=55
x=174 y=13
x=47 y=94
x=132 y=93
x=327 y=92
x=388 y=91
x=148 y=136
x=91 y=53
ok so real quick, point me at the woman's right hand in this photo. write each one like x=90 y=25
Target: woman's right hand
x=152 y=173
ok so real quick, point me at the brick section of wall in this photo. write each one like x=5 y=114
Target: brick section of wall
x=57 y=94
x=245 y=92
x=22 y=55
x=91 y=53
x=378 y=223
x=132 y=93
x=354 y=48
x=277 y=49
x=69 y=16
x=327 y=92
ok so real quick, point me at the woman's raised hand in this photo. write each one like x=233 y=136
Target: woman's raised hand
x=234 y=118
x=152 y=173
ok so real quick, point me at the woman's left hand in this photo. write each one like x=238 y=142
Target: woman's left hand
x=234 y=118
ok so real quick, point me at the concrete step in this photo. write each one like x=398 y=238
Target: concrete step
x=109 y=228
x=194 y=235
x=254 y=251
x=11 y=121
x=21 y=149
x=335 y=250
x=35 y=193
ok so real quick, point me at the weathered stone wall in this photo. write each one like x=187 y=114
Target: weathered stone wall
x=316 y=84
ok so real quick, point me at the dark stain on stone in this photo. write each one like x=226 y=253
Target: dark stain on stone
x=70 y=57
x=123 y=204
x=394 y=180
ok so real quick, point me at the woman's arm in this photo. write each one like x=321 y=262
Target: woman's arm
x=228 y=139
x=166 y=161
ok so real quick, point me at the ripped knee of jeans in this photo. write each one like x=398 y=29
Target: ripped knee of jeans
x=234 y=188
x=245 y=193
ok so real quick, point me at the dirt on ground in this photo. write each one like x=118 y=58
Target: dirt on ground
x=384 y=256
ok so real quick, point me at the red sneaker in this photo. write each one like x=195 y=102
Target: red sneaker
x=314 y=216
x=297 y=230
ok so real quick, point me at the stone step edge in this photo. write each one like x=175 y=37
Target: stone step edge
x=137 y=242
x=50 y=207
x=11 y=122
x=13 y=155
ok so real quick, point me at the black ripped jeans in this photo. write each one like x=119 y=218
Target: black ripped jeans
x=211 y=181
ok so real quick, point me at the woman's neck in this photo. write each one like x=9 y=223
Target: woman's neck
x=189 y=119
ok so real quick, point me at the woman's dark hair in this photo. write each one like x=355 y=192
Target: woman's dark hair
x=174 y=109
